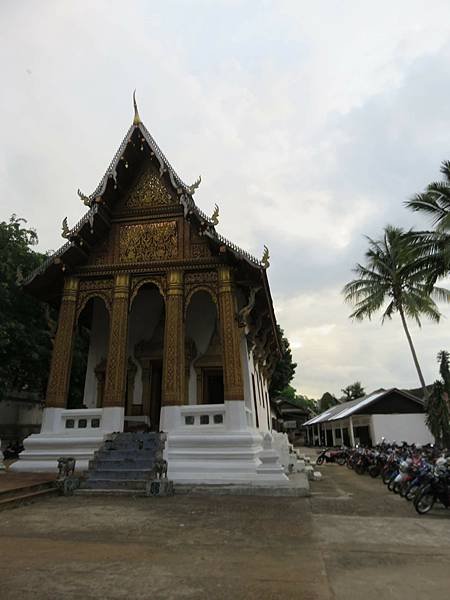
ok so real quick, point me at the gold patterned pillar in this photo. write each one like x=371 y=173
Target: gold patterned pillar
x=116 y=368
x=59 y=378
x=173 y=359
x=232 y=366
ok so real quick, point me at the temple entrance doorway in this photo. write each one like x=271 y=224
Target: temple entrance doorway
x=204 y=360
x=90 y=350
x=145 y=362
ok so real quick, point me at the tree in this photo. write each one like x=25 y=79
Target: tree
x=353 y=391
x=437 y=405
x=285 y=368
x=25 y=324
x=435 y=201
x=396 y=274
x=434 y=245
x=327 y=401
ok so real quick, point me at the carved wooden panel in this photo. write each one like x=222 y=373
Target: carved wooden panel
x=148 y=192
x=89 y=288
x=147 y=242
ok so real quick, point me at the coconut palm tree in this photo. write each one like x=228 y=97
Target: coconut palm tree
x=435 y=201
x=395 y=279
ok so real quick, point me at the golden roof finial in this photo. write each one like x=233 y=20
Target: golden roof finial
x=65 y=229
x=265 y=258
x=215 y=216
x=137 y=118
x=195 y=185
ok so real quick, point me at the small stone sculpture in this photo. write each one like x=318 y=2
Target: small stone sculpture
x=160 y=467
x=66 y=466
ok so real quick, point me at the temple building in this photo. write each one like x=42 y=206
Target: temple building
x=183 y=336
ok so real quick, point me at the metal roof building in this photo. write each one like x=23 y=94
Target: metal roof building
x=392 y=414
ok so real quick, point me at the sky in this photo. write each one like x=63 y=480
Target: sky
x=310 y=122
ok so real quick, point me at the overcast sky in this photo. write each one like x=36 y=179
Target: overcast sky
x=310 y=123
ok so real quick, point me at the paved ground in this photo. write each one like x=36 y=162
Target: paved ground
x=351 y=540
x=11 y=481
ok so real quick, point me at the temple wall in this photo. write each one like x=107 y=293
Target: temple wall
x=146 y=312
x=201 y=319
x=98 y=349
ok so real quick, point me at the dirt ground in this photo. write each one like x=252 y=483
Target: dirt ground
x=351 y=540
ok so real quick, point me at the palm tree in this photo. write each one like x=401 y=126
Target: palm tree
x=435 y=201
x=437 y=406
x=397 y=275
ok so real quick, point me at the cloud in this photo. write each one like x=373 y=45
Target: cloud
x=310 y=123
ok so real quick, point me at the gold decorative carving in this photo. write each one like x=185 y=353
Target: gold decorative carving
x=173 y=361
x=138 y=282
x=148 y=192
x=232 y=366
x=91 y=288
x=117 y=349
x=148 y=242
x=205 y=281
x=58 y=382
x=200 y=250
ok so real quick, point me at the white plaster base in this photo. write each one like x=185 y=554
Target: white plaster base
x=225 y=453
x=43 y=449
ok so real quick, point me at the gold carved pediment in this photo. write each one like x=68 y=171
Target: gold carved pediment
x=145 y=242
x=149 y=191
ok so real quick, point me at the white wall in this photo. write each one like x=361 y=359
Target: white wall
x=410 y=428
x=201 y=318
x=98 y=349
x=146 y=312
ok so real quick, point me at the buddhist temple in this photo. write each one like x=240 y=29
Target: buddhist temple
x=183 y=336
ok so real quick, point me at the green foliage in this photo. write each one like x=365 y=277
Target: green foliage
x=395 y=279
x=327 y=401
x=353 y=391
x=25 y=324
x=285 y=368
x=289 y=393
x=437 y=405
x=435 y=201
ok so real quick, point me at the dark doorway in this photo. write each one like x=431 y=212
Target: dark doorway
x=213 y=386
x=329 y=437
x=346 y=437
x=156 y=391
x=362 y=436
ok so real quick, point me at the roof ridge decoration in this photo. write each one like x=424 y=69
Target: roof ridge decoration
x=184 y=191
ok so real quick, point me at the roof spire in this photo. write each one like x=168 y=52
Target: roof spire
x=137 y=118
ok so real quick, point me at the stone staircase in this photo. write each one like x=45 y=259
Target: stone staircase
x=124 y=463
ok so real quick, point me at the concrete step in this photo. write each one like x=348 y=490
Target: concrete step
x=22 y=496
x=124 y=454
x=109 y=492
x=123 y=474
x=108 y=484
x=26 y=489
x=113 y=464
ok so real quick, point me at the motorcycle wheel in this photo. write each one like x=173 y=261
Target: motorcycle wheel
x=412 y=492
x=386 y=477
x=360 y=469
x=424 y=501
x=341 y=460
x=374 y=471
x=396 y=487
x=319 y=461
x=391 y=483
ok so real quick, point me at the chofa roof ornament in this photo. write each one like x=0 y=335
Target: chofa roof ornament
x=195 y=185
x=265 y=258
x=65 y=229
x=215 y=216
x=137 y=118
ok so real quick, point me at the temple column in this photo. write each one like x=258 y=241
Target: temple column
x=59 y=378
x=116 y=366
x=173 y=389
x=232 y=366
